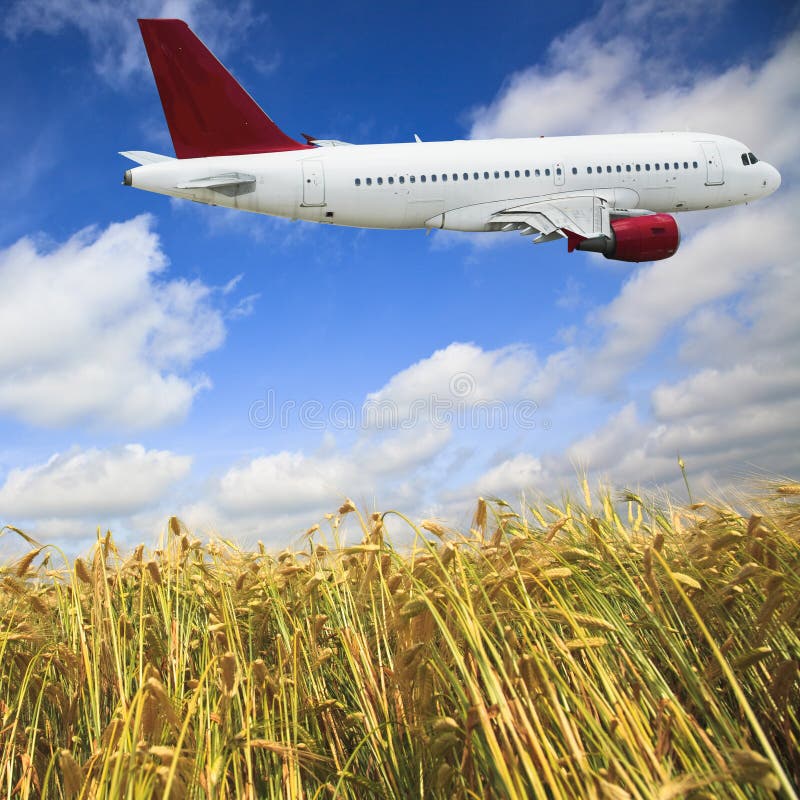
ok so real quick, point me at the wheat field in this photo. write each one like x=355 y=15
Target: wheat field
x=606 y=647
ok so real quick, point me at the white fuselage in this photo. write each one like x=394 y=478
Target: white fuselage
x=458 y=185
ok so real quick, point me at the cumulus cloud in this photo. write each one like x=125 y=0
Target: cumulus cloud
x=593 y=82
x=65 y=500
x=92 y=483
x=284 y=482
x=726 y=257
x=91 y=331
x=699 y=351
x=696 y=355
x=110 y=26
x=413 y=441
x=460 y=375
x=505 y=480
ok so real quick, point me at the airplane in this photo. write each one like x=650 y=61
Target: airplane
x=610 y=194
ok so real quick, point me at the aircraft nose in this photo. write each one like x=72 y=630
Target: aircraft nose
x=772 y=179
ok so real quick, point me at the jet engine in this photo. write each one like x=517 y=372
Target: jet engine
x=647 y=238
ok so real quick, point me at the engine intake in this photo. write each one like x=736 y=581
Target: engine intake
x=648 y=238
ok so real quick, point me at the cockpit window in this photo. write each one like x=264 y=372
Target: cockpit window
x=753 y=159
x=744 y=160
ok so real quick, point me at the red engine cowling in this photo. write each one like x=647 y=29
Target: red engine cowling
x=649 y=238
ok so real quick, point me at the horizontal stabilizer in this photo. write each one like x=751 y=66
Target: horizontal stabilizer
x=145 y=157
x=330 y=143
x=219 y=181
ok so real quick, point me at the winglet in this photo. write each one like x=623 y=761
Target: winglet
x=207 y=111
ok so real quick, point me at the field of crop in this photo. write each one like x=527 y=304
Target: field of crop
x=565 y=651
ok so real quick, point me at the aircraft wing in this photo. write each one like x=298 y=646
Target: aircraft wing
x=569 y=217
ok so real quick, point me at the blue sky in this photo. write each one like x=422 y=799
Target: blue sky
x=141 y=339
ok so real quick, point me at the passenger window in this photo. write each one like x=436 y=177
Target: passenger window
x=380 y=181
x=658 y=166
x=358 y=181
x=547 y=172
x=647 y=167
x=537 y=173
x=412 y=178
x=465 y=176
x=486 y=176
x=694 y=164
x=627 y=168
x=423 y=178
x=516 y=173
x=619 y=168
x=444 y=178
x=402 y=179
x=588 y=170
x=676 y=165
x=527 y=173
x=475 y=176
x=574 y=170
x=666 y=165
x=369 y=181
x=507 y=174
x=599 y=170
x=558 y=170
x=638 y=167
x=433 y=179
x=608 y=168
x=455 y=176
x=496 y=174
x=391 y=180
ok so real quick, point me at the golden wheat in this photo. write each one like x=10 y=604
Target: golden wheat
x=559 y=653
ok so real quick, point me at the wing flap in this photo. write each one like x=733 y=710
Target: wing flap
x=585 y=217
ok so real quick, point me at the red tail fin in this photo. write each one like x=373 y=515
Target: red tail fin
x=208 y=112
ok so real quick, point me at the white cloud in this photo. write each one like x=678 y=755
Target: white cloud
x=744 y=385
x=459 y=375
x=721 y=260
x=92 y=484
x=110 y=26
x=505 y=480
x=408 y=462
x=593 y=83
x=289 y=481
x=700 y=350
x=703 y=362
x=91 y=333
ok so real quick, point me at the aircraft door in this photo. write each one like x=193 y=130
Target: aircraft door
x=558 y=173
x=715 y=171
x=313 y=182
